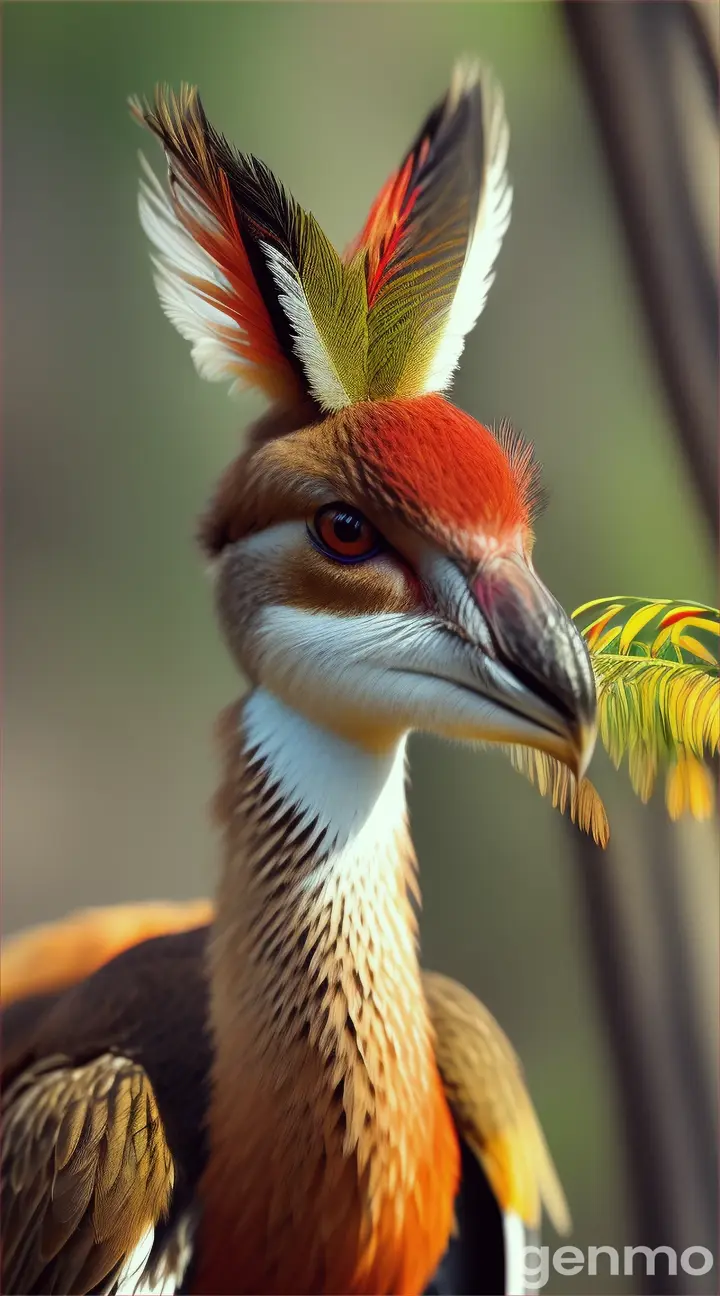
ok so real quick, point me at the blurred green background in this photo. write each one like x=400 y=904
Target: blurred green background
x=114 y=668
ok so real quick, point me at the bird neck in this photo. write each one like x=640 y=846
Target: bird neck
x=333 y=1160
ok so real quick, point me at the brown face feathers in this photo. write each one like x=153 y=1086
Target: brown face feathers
x=423 y=461
x=414 y=468
x=319 y=585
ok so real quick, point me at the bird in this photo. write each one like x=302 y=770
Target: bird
x=276 y=1098
x=85 y=1241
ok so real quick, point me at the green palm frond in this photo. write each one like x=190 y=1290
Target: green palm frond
x=658 y=685
x=658 y=682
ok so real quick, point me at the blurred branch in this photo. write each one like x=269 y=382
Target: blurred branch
x=644 y=1113
x=703 y=22
x=626 y=54
x=631 y=56
x=647 y=1002
x=674 y=979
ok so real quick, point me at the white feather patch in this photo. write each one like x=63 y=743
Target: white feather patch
x=400 y=672
x=492 y=221
x=358 y=800
x=215 y=338
x=132 y=1280
x=167 y=1271
x=515 y=1242
x=321 y=374
x=342 y=785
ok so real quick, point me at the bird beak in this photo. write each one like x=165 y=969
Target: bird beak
x=538 y=664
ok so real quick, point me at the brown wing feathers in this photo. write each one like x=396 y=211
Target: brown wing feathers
x=481 y=1074
x=105 y=1093
x=86 y=1173
x=489 y=1099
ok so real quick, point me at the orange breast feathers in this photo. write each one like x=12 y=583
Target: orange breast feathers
x=350 y=1223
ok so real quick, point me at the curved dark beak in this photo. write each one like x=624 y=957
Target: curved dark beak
x=535 y=640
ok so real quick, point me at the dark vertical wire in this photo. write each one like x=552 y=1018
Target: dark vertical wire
x=625 y=54
x=699 y=17
x=632 y=1041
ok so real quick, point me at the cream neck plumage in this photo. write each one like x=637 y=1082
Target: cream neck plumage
x=325 y=1066
x=356 y=796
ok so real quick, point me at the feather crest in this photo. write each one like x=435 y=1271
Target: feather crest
x=203 y=272
x=249 y=278
x=432 y=238
x=243 y=272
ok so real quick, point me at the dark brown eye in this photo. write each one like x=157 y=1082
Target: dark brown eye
x=344 y=534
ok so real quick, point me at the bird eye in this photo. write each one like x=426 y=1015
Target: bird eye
x=342 y=532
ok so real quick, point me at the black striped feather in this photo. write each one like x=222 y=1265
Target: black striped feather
x=241 y=262
x=432 y=237
x=250 y=279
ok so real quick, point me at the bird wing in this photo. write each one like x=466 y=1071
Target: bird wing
x=494 y=1115
x=105 y=1090
x=483 y=1080
x=86 y=1174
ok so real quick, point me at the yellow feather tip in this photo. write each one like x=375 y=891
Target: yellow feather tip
x=552 y=779
x=689 y=788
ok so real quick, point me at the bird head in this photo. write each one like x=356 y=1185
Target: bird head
x=374 y=570
x=372 y=545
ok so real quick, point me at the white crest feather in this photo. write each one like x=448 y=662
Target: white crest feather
x=493 y=218
x=516 y=1241
x=322 y=376
x=181 y=266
